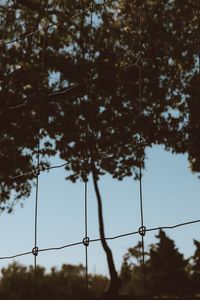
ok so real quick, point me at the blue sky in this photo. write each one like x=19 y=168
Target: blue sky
x=170 y=194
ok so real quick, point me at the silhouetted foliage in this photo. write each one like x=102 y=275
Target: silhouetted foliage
x=17 y=282
x=100 y=117
x=132 y=271
x=195 y=269
x=96 y=125
x=167 y=268
x=167 y=272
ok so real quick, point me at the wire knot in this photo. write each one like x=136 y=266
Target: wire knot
x=92 y=7
x=139 y=58
x=142 y=230
x=86 y=241
x=2 y=43
x=197 y=41
x=35 y=251
x=45 y=26
x=37 y=171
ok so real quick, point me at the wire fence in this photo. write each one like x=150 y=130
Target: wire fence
x=140 y=231
x=86 y=241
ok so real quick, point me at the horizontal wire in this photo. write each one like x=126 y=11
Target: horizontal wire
x=98 y=239
x=17 y=106
x=75 y=85
x=47 y=26
x=26 y=35
x=72 y=87
x=60 y=92
x=56 y=167
x=61 y=247
x=174 y=226
x=122 y=235
x=51 y=167
x=22 y=175
x=16 y=255
x=39 y=170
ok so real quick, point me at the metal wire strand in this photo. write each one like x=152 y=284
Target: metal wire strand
x=75 y=85
x=2 y=41
x=35 y=250
x=48 y=26
x=39 y=169
x=168 y=227
x=198 y=42
x=143 y=229
x=86 y=239
x=61 y=92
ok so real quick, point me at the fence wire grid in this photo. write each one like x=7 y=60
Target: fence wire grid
x=86 y=241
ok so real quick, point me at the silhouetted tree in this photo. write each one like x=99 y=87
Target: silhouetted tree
x=167 y=273
x=195 y=269
x=98 y=284
x=16 y=282
x=96 y=125
x=167 y=268
x=132 y=271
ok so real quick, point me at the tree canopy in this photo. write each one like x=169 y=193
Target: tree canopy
x=99 y=115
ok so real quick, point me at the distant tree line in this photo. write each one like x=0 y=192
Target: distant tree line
x=17 y=283
x=168 y=274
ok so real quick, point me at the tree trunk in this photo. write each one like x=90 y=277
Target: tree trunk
x=115 y=282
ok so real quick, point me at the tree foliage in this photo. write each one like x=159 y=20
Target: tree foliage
x=167 y=272
x=100 y=116
x=167 y=268
x=67 y=283
x=195 y=268
x=132 y=271
x=96 y=91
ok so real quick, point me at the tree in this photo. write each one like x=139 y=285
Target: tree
x=195 y=269
x=193 y=142
x=17 y=282
x=132 y=271
x=167 y=268
x=98 y=284
x=66 y=283
x=97 y=125
x=19 y=83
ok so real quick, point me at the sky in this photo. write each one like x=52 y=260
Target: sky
x=170 y=196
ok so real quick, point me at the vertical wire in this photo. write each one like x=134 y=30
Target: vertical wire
x=140 y=153
x=86 y=235
x=38 y=163
x=36 y=216
x=86 y=209
x=198 y=42
x=90 y=33
x=4 y=29
x=5 y=21
x=4 y=25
